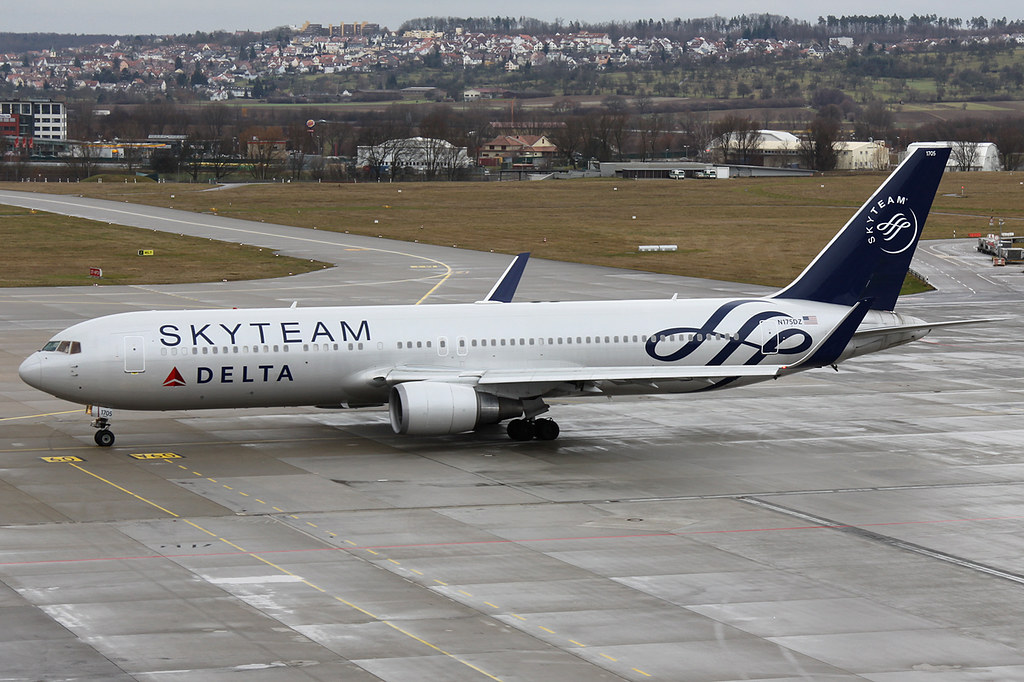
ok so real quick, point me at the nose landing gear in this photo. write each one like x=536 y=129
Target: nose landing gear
x=104 y=437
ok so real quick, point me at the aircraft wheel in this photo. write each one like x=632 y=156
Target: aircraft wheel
x=104 y=438
x=546 y=429
x=520 y=429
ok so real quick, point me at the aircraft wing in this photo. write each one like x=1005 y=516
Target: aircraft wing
x=544 y=375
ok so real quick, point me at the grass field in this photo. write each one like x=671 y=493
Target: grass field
x=42 y=249
x=756 y=230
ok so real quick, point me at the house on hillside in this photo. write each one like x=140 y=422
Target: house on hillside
x=522 y=151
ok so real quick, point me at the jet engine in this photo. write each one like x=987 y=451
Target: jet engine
x=432 y=408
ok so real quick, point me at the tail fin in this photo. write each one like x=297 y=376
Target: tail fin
x=870 y=256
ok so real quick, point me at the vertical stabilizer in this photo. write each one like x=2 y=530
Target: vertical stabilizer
x=870 y=256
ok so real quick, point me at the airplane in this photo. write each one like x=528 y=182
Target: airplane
x=452 y=368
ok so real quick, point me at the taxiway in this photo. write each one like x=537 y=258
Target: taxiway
x=859 y=525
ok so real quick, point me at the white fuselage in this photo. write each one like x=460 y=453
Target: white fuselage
x=163 y=360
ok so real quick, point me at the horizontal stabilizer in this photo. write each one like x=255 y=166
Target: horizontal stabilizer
x=924 y=326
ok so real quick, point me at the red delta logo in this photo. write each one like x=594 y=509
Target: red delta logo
x=174 y=378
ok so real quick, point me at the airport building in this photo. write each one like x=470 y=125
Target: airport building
x=36 y=119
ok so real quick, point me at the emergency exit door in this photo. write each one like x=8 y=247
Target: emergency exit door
x=134 y=354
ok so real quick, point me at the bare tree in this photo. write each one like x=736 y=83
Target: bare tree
x=569 y=139
x=1009 y=138
x=739 y=137
x=82 y=162
x=820 y=149
x=651 y=130
x=700 y=131
x=264 y=151
x=964 y=154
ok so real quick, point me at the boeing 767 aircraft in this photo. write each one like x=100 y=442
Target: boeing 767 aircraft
x=451 y=368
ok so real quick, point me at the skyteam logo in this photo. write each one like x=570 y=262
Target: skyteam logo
x=892 y=225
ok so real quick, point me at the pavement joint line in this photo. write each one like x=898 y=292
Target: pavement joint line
x=862 y=531
x=287 y=572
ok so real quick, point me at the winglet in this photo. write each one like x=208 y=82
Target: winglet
x=505 y=288
x=832 y=346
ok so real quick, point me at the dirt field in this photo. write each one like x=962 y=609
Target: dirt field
x=757 y=230
x=42 y=249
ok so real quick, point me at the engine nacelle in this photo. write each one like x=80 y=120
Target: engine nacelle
x=433 y=408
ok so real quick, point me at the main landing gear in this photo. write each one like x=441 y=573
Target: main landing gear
x=104 y=437
x=528 y=429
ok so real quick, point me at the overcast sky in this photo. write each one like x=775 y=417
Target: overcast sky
x=186 y=16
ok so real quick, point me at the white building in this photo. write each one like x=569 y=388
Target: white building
x=38 y=119
x=862 y=156
x=421 y=154
x=985 y=156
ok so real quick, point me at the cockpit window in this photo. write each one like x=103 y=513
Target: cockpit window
x=69 y=347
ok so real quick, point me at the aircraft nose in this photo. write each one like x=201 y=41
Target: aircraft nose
x=31 y=371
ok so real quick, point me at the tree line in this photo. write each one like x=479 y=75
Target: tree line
x=219 y=140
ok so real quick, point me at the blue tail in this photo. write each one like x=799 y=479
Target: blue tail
x=870 y=256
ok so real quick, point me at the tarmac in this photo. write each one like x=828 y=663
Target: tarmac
x=863 y=524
